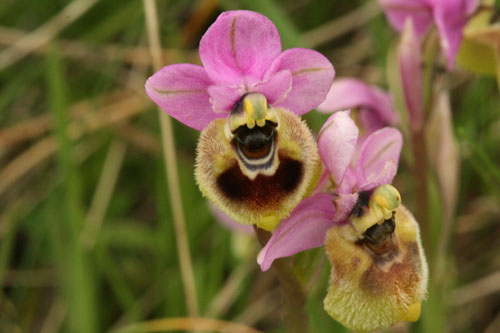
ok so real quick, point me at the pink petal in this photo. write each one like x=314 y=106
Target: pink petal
x=379 y=157
x=344 y=204
x=181 y=91
x=276 y=88
x=450 y=17
x=352 y=93
x=223 y=98
x=304 y=229
x=397 y=11
x=228 y=222
x=312 y=76
x=349 y=183
x=239 y=47
x=336 y=142
x=409 y=60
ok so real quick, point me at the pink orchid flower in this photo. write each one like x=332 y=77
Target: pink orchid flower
x=351 y=172
x=450 y=17
x=375 y=106
x=241 y=53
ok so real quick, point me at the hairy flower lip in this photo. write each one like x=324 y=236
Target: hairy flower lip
x=241 y=53
x=375 y=291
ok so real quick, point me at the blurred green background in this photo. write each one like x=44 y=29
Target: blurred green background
x=87 y=242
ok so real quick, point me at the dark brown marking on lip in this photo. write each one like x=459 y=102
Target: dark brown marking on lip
x=264 y=191
x=401 y=277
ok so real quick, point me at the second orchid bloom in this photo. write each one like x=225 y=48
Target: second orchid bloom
x=378 y=268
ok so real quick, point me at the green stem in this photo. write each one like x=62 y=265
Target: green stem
x=294 y=300
x=421 y=190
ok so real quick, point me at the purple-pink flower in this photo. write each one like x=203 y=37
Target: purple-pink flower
x=375 y=106
x=241 y=53
x=349 y=171
x=450 y=17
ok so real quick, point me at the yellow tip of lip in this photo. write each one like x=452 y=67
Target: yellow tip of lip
x=413 y=312
x=268 y=222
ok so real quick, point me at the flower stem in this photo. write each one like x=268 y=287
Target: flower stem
x=421 y=190
x=293 y=297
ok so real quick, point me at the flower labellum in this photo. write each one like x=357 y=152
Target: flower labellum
x=258 y=164
x=256 y=160
x=378 y=269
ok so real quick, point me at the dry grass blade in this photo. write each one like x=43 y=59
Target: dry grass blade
x=35 y=127
x=110 y=114
x=176 y=324
x=228 y=294
x=103 y=193
x=73 y=49
x=260 y=308
x=478 y=289
x=138 y=137
x=55 y=317
x=170 y=158
x=342 y=25
x=44 y=33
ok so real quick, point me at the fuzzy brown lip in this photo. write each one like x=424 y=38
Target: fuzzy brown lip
x=263 y=191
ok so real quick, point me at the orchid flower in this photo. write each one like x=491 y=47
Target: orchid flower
x=255 y=159
x=375 y=106
x=379 y=272
x=449 y=16
x=346 y=176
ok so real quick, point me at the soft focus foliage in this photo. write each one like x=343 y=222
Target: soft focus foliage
x=87 y=241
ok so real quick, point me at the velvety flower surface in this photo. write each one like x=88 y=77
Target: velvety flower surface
x=348 y=172
x=375 y=106
x=449 y=16
x=241 y=53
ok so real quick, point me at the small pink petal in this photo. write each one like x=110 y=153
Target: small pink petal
x=276 y=88
x=337 y=142
x=350 y=182
x=239 y=47
x=397 y=11
x=304 y=229
x=312 y=76
x=371 y=121
x=344 y=203
x=223 y=98
x=352 y=93
x=450 y=17
x=380 y=148
x=181 y=91
x=228 y=222
x=324 y=180
x=383 y=177
x=409 y=60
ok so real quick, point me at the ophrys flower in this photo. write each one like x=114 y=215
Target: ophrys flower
x=256 y=160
